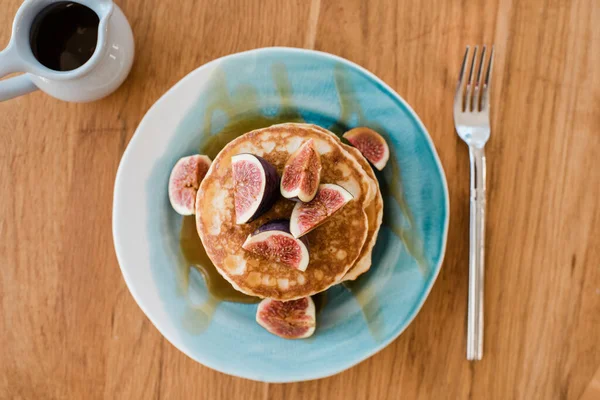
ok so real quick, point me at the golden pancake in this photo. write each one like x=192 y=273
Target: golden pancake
x=374 y=212
x=334 y=246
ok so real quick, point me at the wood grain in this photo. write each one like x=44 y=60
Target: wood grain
x=69 y=329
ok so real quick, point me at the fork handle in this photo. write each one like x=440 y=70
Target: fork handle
x=476 y=255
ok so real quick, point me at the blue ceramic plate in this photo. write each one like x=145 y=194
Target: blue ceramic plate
x=255 y=89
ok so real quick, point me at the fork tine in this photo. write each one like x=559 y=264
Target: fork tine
x=460 y=88
x=478 y=80
x=469 y=98
x=486 y=86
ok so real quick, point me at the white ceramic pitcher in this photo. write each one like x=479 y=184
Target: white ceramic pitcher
x=99 y=76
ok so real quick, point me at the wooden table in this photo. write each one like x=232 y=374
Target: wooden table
x=69 y=329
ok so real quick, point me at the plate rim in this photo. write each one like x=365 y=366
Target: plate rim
x=325 y=372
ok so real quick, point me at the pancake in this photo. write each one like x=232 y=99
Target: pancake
x=374 y=212
x=360 y=159
x=334 y=246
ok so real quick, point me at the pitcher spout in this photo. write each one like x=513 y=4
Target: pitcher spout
x=103 y=8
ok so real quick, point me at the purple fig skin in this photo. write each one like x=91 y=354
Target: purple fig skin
x=295 y=319
x=302 y=173
x=371 y=144
x=271 y=189
x=283 y=254
x=184 y=181
x=322 y=208
x=279 y=225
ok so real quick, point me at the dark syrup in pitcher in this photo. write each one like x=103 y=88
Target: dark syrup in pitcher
x=63 y=35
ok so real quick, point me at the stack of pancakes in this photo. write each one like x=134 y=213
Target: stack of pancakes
x=340 y=249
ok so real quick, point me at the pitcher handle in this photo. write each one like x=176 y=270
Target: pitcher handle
x=17 y=86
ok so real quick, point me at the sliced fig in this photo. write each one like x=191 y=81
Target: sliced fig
x=302 y=173
x=184 y=182
x=293 y=319
x=371 y=144
x=307 y=216
x=274 y=242
x=256 y=182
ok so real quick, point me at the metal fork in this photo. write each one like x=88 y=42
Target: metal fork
x=472 y=123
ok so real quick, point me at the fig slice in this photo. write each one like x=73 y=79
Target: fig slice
x=184 y=182
x=295 y=319
x=371 y=144
x=255 y=186
x=274 y=242
x=302 y=173
x=307 y=216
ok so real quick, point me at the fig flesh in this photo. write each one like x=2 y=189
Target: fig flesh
x=371 y=144
x=295 y=319
x=274 y=242
x=184 y=182
x=255 y=186
x=302 y=173
x=307 y=216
